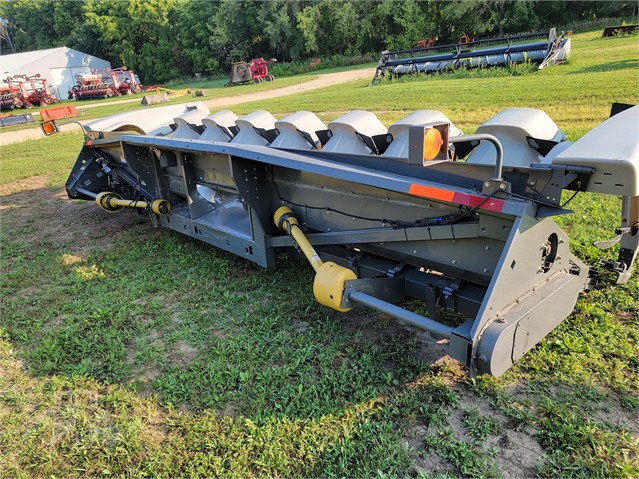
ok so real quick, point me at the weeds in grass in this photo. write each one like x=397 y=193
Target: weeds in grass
x=578 y=445
x=481 y=427
x=469 y=458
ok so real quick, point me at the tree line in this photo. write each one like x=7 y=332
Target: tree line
x=166 y=39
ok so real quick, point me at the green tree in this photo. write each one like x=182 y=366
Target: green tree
x=281 y=36
x=32 y=22
x=406 y=22
x=138 y=34
x=490 y=17
x=7 y=30
x=236 y=34
x=337 y=27
x=193 y=36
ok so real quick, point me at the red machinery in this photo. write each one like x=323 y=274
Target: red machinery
x=105 y=84
x=22 y=91
x=125 y=80
x=425 y=43
x=256 y=71
x=92 y=85
x=11 y=97
x=430 y=42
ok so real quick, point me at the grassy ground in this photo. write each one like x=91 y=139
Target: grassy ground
x=130 y=351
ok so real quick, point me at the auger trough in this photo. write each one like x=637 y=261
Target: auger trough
x=544 y=49
x=417 y=210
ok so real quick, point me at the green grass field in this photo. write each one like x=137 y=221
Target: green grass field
x=131 y=351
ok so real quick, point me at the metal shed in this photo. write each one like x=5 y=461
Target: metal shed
x=57 y=65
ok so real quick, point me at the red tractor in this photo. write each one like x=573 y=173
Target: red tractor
x=26 y=91
x=256 y=71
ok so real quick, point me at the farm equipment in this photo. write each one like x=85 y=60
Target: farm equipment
x=10 y=120
x=543 y=48
x=94 y=85
x=619 y=30
x=58 y=113
x=11 y=97
x=383 y=214
x=23 y=91
x=125 y=80
x=256 y=71
x=425 y=43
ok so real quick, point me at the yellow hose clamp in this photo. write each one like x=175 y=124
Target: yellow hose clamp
x=107 y=201
x=329 y=285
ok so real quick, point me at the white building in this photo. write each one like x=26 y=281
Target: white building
x=57 y=65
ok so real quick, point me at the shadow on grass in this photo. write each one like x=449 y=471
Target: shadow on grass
x=606 y=67
x=151 y=343
x=108 y=297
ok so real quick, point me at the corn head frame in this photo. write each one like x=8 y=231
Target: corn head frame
x=383 y=214
x=544 y=49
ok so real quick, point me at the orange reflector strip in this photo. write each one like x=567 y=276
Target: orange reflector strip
x=430 y=192
x=482 y=202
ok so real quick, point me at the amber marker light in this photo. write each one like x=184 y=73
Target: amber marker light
x=49 y=128
x=433 y=142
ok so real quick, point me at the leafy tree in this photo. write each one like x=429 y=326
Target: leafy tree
x=138 y=33
x=33 y=23
x=235 y=33
x=6 y=36
x=490 y=17
x=193 y=36
x=307 y=23
x=406 y=23
x=336 y=27
x=281 y=36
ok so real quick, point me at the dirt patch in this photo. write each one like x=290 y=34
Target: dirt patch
x=519 y=454
x=618 y=416
x=425 y=462
x=44 y=216
x=322 y=81
x=183 y=353
x=33 y=183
